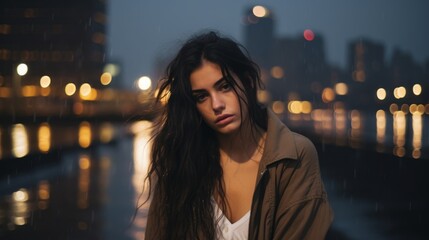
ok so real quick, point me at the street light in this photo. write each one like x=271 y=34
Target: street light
x=22 y=69
x=144 y=83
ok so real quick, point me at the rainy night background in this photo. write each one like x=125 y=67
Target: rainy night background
x=77 y=79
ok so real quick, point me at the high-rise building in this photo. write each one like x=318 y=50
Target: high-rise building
x=303 y=68
x=63 y=40
x=367 y=68
x=259 y=34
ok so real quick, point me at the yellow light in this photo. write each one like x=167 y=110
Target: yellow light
x=91 y=96
x=417 y=89
x=328 y=95
x=341 y=88
x=277 y=72
x=45 y=91
x=404 y=108
x=263 y=96
x=421 y=109
x=306 y=107
x=144 y=83
x=22 y=69
x=5 y=92
x=29 y=91
x=399 y=92
x=20 y=146
x=278 y=107
x=381 y=94
x=413 y=108
x=106 y=132
x=381 y=126
x=85 y=90
x=21 y=195
x=44 y=190
x=44 y=137
x=295 y=107
x=78 y=108
x=106 y=78
x=84 y=162
x=70 y=89
x=355 y=119
x=393 y=108
x=259 y=11
x=45 y=81
x=84 y=134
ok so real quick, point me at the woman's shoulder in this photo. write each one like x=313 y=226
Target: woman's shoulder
x=303 y=144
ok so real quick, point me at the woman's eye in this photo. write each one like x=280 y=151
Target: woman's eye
x=200 y=97
x=226 y=86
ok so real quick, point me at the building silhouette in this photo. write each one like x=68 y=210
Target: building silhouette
x=259 y=35
x=64 y=40
x=366 y=66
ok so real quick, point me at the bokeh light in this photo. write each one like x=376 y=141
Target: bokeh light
x=45 y=81
x=309 y=35
x=341 y=88
x=106 y=78
x=260 y=11
x=417 y=89
x=381 y=93
x=144 y=83
x=22 y=69
x=70 y=89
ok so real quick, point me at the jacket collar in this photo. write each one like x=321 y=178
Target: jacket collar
x=280 y=142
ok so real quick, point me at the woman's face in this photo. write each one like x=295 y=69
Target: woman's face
x=215 y=99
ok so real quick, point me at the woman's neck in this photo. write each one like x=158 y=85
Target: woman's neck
x=242 y=145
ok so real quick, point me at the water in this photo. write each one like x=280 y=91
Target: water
x=85 y=179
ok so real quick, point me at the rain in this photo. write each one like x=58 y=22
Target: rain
x=78 y=82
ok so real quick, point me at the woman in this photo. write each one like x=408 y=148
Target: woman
x=223 y=166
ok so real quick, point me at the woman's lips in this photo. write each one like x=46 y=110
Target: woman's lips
x=224 y=119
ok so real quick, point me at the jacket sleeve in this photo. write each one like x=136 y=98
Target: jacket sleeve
x=303 y=211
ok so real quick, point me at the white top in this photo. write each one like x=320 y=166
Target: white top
x=231 y=231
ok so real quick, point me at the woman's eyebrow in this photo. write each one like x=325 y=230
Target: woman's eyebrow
x=216 y=85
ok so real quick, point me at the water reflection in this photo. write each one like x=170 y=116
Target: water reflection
x=43 y=194
x=417 y=125
x=107 y=132
x=84 y=134
x=399 y=130
x=83 y=182
x=340 y=126
x=382 y=131
x=141 y=155
x=20 y=146
x=356 y=123
x=20 y=208
x=44 y=137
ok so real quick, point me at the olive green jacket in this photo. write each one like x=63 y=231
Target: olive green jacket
x=289 y=201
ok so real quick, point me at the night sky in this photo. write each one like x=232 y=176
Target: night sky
x=140 y=31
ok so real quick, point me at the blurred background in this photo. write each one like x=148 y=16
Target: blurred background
x=77 y=79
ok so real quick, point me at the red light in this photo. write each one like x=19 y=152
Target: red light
x=308 y=35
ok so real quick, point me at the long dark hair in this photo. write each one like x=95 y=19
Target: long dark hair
x=185 y=171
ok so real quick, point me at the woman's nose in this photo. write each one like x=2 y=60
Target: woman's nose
x=218 y=103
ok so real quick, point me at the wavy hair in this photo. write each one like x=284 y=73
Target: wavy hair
x=185 y=171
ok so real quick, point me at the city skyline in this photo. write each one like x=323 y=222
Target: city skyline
x=141 y=32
